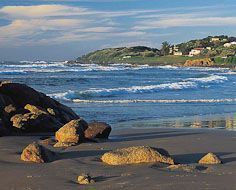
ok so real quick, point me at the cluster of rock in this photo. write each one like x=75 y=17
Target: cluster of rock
x=25 y=110
x=77 y=131
x=206 y=62
x=72 y=133
x=144 y=154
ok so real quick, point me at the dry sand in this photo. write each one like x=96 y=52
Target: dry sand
x=187 y=146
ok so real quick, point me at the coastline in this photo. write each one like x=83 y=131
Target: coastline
x=186 y=147
x=226 y=66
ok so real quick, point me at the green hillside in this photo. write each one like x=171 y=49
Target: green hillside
x=213 y=47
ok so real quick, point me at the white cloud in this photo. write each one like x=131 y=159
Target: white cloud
x=191 y=21
x=54 y=24
x=41 y=11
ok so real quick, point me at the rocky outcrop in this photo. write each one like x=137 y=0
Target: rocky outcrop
x=207 y=62
x=97 y=130
x=37 y=153
x=210 y=158
x=71 y=133
x=135 y=155
x=23 y=109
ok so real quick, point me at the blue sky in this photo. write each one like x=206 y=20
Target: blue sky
x=66 y=29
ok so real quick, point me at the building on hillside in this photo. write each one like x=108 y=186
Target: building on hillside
x=209 y=48
x=174 y=50
x=229 y=44
x=195 y=52
x=215 y=39
x=178 y=53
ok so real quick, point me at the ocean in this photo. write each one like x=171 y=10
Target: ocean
x=135 y=96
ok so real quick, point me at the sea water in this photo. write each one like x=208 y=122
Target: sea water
x=146 y=96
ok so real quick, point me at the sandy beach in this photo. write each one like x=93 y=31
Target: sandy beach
x=186 y=146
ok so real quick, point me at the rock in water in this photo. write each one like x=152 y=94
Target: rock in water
x=210 y=158
x=135 y=155
x=85 y=179
x=71 y=133
x=97 y=130
x=23 y=109
x=37 y=153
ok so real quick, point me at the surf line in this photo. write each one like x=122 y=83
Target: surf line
x=155 y=101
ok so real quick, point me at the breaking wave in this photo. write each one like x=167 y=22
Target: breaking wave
x=189 y=83
x=155 y=101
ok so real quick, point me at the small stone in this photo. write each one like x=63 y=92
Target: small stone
x=63 y=145
x=136 y=155
x=210 y=158
x=85 y=179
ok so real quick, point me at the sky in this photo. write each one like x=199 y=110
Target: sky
x=67 y=29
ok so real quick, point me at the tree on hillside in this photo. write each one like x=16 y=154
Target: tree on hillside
x=165 y=48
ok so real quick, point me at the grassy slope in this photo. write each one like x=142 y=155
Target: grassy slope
x=139 y=55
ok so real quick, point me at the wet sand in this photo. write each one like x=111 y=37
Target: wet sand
x=186 y=146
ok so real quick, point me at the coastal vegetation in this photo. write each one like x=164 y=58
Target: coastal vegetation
x=220 y=49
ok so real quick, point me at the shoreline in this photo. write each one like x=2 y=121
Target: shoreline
x=221 y=121
x=180 y=65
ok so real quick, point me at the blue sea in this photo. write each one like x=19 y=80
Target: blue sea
x=135 y=96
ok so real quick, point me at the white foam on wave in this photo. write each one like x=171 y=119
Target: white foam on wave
x=189 y=83
x=211 y=78
x=168 y=67
x=185 y=84
x=139 y=89
x=205 y=68
x=38 y=70
x=64 y=95
x=156 y=101
x=37 y=62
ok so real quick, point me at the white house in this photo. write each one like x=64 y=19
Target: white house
x=229 y=44
x=215 y=39
x=178 y=53
x=195 y=51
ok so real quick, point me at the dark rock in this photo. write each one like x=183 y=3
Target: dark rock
x=23 y=109
x=97 y=130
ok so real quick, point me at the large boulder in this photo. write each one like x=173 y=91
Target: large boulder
x=136 y=155
x=37 y=153
x=97 y=130
x=210 y=158
x=23 y=109
x=71 y=133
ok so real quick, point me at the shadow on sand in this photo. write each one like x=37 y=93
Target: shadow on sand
x=149 y=136
x=194 y=158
